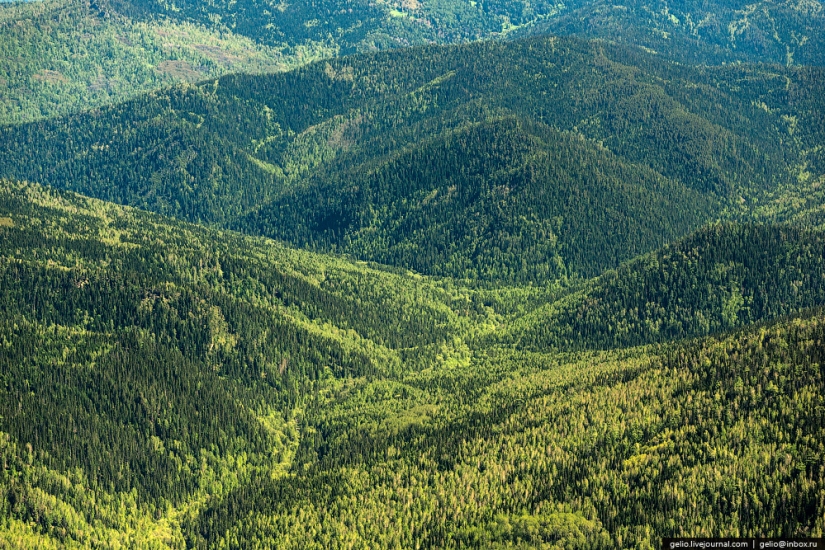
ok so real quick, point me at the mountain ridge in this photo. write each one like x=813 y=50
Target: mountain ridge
x=235 y=370
x=217 y=151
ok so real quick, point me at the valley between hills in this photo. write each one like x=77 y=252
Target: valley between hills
x=170 y=385
x=537 y=292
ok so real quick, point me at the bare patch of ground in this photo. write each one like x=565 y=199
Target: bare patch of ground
x=217 y=54
x=52 y=77
x=345 y=135
x=101 y=83
x=182 y=70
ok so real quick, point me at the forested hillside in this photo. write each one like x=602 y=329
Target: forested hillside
x=499 y=200
x=718 y=437
x=782 y=32
x=64 y=56
x=61 y=56
x=442 y=274
x=168 y=385
x=719 y=278
x=571 y=156
x=148 y=366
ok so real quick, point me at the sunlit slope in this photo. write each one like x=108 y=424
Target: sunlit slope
x=167 y=385
x=786 y=32
x=148 y=366
x=656 y=137
x=715 y=437
x=62 y=56
x=714 y=32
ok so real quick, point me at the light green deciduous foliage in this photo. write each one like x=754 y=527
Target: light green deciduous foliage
x=167 y=385
x=63 y=56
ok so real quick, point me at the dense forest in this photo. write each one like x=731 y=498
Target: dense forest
x=62 y=56
x=507 y=161
x=783 y=32
x=496 y=274
x=718 y=278
x=177 y=360
x=599 y=450
x=165 y=384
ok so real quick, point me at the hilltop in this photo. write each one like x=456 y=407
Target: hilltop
x=571 y=155
x=66 y=56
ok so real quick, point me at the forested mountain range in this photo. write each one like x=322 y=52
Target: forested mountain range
x=176 y=360
x=168 y=385
x=62 y=56
x=492 y=274
x=530 y=160
x=718 y=278
x=784 y=32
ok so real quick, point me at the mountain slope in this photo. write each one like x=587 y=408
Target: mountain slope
x=500 y=200
x=221 y=151
x=711 y=32
x=716 y=279
x=784 y=32
x=62 y=56
x=148 y=366
x=166 y=385
x=717 y=437
x=68 y=55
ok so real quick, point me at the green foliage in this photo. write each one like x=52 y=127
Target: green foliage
x=719 y=437
x=712 y=32
x=496 y=201
x=721 y=277
x=164 y=364
x=168 y=385
x=526 y=161
x=66 y=56
x=63 y=56
x=557 y=530
x=784 y=32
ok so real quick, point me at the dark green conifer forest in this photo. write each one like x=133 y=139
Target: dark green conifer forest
x=166 y=384
x=493 y=275
x=61 y=56
x=518 y=162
